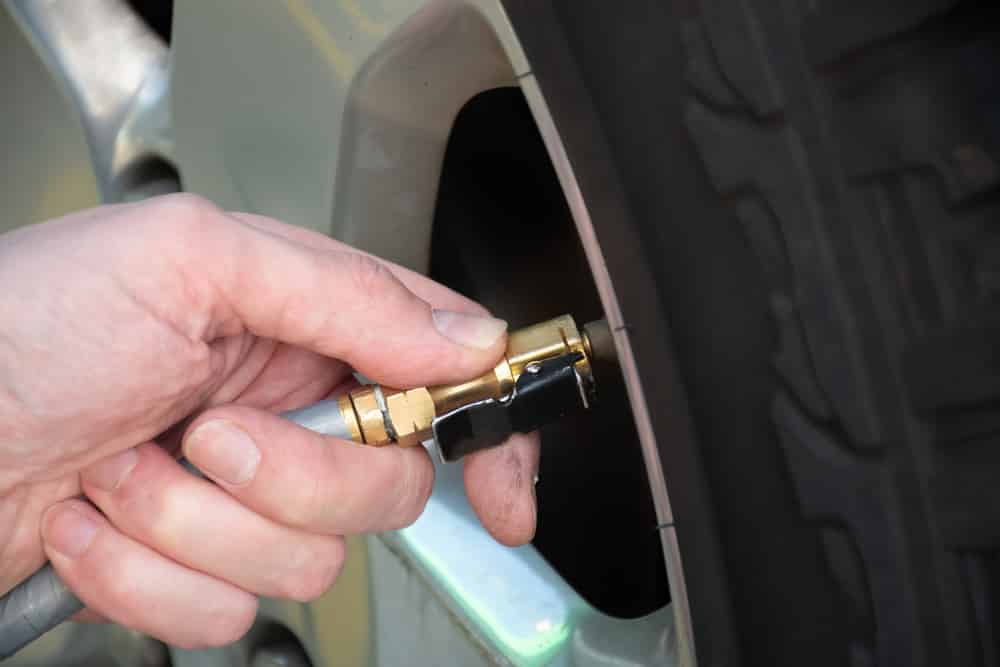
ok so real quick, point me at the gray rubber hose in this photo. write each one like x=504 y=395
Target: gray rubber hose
x=43 y=601
x=34 y=607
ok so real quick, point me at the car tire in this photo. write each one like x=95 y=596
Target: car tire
x=812 y=187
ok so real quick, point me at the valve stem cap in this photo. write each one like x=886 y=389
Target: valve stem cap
x=599 y=345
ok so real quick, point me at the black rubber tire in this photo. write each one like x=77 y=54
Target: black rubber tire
x=798 y=203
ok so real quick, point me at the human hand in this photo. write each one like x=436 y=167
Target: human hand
x=121 y=322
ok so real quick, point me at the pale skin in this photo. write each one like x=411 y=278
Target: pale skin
x=134 y=333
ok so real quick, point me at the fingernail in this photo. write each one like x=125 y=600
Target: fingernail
x=109 y=473
x=69 y=531
x=223 y=451
x=478 y=331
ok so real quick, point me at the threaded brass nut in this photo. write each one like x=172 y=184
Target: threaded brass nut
x=370 y=417
x=411 y=413
x=350 y=417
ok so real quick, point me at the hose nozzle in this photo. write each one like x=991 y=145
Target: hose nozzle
x=377 y=416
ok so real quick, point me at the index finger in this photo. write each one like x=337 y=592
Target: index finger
x=322 y=297
x=427 y=289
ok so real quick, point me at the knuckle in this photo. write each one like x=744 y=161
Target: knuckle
x=229 y=625
x=183 y=219
x=178 y=223
x=234 y=623
x=314 y=577
x=183 y=206
x=370 y=277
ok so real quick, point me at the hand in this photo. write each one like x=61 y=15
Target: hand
x=121 y=322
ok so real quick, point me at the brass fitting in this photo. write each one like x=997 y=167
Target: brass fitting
x=411 y=413
x=381 y=416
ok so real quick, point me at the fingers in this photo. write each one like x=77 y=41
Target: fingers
x=333 y=301
x=302 y=479
x=151 y=499
x=500 y=485
x=429 y=290
x=290 y=378
x=132 y=584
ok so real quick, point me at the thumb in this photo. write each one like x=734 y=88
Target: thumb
x=338 y=303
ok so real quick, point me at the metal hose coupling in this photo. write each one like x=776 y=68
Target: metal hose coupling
x=546 y=373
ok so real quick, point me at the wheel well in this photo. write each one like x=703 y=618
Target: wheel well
x=503 y=235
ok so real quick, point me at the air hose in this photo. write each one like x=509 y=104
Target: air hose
x=34 y=607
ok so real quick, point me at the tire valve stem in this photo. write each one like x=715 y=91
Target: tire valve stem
x=545 y=374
